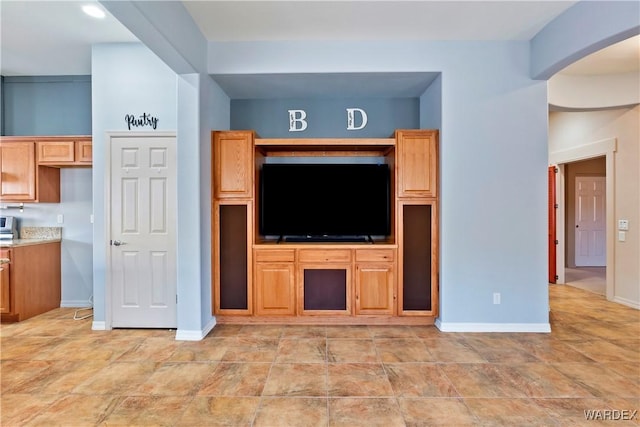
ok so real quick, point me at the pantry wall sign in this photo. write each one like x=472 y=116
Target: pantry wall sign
x=143 y=120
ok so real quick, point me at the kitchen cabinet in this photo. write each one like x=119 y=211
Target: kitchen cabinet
x=65 y=151
x=30 y=289
x=21 y=178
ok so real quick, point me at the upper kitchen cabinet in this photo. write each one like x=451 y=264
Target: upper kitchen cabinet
x=21 y=178
x=417 y=163
x=233 y=164
x=65 y=151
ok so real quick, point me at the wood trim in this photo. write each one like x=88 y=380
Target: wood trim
x=326 y=320
x=314 y=142
x=551 y=212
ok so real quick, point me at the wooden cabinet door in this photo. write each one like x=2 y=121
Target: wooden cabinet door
x=275 y=289
x=84 y=151
x=417 y=163
x=375 y=290
x=18 y=172
x=5 y=296
x=56 y=152
x=233 y=164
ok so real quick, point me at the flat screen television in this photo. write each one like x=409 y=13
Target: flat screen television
x=325 y=201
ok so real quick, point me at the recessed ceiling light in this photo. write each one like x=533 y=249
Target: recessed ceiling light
x=94 y=11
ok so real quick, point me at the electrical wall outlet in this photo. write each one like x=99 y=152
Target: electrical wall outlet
x=496 y=297
x=60 y=219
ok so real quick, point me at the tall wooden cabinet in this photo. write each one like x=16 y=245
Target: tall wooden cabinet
x=233 y=189
x=417 y=221
x=394 y=281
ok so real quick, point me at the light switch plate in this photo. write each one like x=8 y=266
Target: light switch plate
x=622 y=236
x=623 y=224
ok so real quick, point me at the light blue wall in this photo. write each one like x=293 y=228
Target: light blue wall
x=58 y=105
x=127 y=78
x=493 y=160
x=47 y=105
x=199 y=101
x=325 y=117
x=214 y=114
x=431 y=106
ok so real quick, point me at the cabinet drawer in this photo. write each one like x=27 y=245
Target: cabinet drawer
x=324 y=255
x=56 y=151
x=275 y=255
x=84 y=151
x=374 y=255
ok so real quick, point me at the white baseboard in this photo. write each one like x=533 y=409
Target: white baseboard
x=99 y=326
x=193 y=335
x=627 y=302
x=76 y=304
x=492 y=327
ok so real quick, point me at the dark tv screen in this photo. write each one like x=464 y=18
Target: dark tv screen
x=324 y=200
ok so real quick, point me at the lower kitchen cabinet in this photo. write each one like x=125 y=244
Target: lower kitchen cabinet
x=31 y=284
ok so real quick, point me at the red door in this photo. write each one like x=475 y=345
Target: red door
x=552 y=224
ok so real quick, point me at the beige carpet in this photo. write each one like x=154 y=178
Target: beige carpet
x=592 y=279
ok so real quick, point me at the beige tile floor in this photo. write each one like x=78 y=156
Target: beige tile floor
x=57 y=372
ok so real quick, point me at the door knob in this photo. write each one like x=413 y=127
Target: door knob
x=118 y=243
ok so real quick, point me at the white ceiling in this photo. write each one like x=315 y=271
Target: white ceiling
x=54 y=37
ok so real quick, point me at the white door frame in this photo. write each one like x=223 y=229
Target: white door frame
x=606 y=147
x=108 y=292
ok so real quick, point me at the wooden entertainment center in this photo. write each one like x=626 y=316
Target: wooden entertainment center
x=260 y=280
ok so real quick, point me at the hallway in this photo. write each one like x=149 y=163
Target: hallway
x=592 y=279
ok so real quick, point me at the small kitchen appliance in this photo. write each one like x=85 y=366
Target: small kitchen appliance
x=8 y=228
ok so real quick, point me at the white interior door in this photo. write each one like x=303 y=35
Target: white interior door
x=590 y=221
x=143 y=231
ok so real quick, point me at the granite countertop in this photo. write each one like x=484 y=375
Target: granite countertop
x=34 y=236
